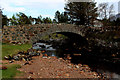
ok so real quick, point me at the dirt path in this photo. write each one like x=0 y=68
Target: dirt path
x=52 y=67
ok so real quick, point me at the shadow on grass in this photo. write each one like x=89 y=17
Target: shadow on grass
x=11 y=72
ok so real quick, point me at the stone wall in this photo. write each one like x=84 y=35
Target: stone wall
x=22 y=33
x=32 y=33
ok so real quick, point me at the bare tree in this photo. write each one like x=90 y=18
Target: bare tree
x=111 y=11
x=105 y=11
x=102 y=9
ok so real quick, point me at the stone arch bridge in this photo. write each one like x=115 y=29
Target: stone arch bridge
x=33 y=33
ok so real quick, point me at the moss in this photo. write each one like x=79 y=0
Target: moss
x=53 y=36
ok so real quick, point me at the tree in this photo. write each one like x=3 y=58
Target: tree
x=54 y=21
x=81 y=13
x=4 y=20
x=13 y=20
x=39 y=19
x=47 y=20
x=57 y=16
x=31 y=20
x=111 y=11
x=36 y=21
x=103 y=7
x=20 y=19
x=117 y=22
x=61 y=17
x=105 y=10
x=23 y=19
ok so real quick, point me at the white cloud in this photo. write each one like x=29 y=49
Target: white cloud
x=37 y=7
x=46 y=4
x=100 y=1
x=13 y=9
x=7 y=7
x=32 y=7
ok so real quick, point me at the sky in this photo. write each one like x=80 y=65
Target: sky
x=45 y=8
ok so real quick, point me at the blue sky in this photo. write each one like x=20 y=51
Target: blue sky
x=46 y=8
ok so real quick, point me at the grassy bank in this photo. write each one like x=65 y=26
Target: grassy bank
x=11 y=71
x=13 y=49
x=54 y=36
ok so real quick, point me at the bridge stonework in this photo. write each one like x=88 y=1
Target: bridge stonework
x=33 y=33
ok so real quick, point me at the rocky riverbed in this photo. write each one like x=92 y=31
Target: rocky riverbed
x=52 y=67
x=68 y=63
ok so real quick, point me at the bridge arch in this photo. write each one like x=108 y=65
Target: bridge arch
x=72 y=37
x=60 y=29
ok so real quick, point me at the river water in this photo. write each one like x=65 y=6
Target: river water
x=102 y=68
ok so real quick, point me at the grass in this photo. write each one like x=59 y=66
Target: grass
x=11 y=71
x=53 y=36
x=13 y=49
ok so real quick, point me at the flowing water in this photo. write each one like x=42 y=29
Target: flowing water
x=103 y=68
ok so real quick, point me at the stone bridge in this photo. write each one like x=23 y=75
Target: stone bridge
x=33 y=33
x=61 y=28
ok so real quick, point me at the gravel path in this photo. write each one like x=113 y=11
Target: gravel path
x=51 y=67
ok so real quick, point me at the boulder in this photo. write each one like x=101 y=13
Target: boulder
x=11 y=61
x=41 y=55
x=43 y=51
x=46 y=55
x=37 y=54
x=26 y=63
x=20 y=52
x=16 y=57
x=31 y=72
x=67 y=75
x=8 y=58
x=76 y=66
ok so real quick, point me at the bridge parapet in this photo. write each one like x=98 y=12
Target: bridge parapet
x=30 y=33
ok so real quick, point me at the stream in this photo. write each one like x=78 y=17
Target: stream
x=104 y=69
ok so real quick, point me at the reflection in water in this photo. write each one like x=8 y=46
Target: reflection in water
x=108 y=73
x=102 y=68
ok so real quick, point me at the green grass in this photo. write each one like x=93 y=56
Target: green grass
x=11 y=71
x=13 y=49
x=53 y=36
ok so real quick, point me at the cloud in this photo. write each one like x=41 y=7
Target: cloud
x=32 y=7
x=36 y=13
x=46 y=4
x=13 y=9
x=7 y=7
x=46 y=8
x=100 y=1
